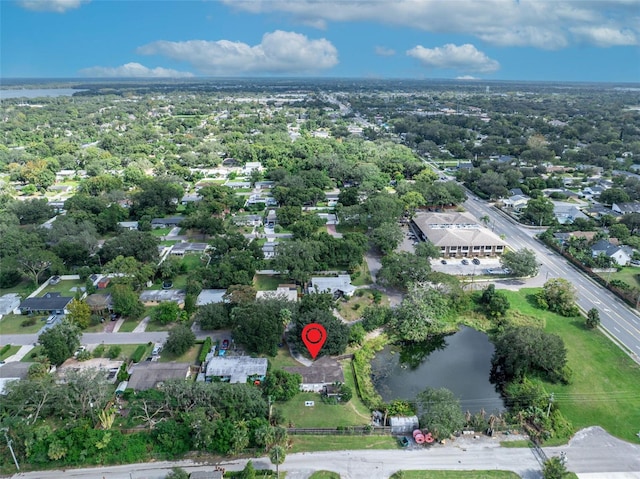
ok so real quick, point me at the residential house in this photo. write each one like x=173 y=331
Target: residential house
x=50 y=303
x=457 y=234
x=322 y=373
x=271 y=219
x=563 y=238
x=237 y=185
x=246 y=220
x=171 y=222
x=153 y=297
x=252 y=166
x=12 y=371
x=151 y=374
x=128 y=225
x=190 y=198
x=284 y=291
x=236 y=369
x=8 y=303
x=338 y=286
x=108 y=368
x=516 y=202
x=623 y=208
x=206 y=475
x=620 y=254
x=209 y=296
x=269 y=249
x=567 y=213
x=100 y=302
x=180 y=249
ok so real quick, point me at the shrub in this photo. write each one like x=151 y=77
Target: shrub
x=114 y=351
x=138 y=353
x=206 y=347
x=98 y=351
x=30 y=321
x=4 y=349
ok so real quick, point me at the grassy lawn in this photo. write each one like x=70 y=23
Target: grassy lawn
x=353 y=308
x=24 y=289
x=189 y=357
x=341 y=443
x=153 y=326
x=12 y=324
x=282 y=359
x=63 y=287
x=192 y=261
x=324 y=475
x=10 y=352
x=126 y=350
x=161 y=231
x=264 y=282
x=361 y=275
x=129 y=325
x=605 y=385
x=37 y=351
x=349 y=380
x=456 y=475
x=628 y=274
x=320 y=415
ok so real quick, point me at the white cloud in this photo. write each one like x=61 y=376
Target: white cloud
x=466 y=58
x=133 y=70
x=466 y=77
x=605 y=36
x=385 y=52
x=279 y=52
x=539 y=23
x=58 y=6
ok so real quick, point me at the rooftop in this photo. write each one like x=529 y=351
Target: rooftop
x=325 y=370
x=208 y=296
x=238 y=368
x=148 y=375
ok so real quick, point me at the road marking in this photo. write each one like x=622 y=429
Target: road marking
x=617 y=329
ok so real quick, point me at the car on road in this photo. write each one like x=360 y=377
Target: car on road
x=465 y=261
x=443 y=261
x=475 y=261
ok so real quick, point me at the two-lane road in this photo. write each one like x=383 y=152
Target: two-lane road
x=619 y=320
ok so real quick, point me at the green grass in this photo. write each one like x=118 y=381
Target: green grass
x=153 y=326
x=37 y=351
x=456 y=475
x=12 y=324
x=361 y=275
x=320 y=415
x=126 y=350
x=605 y=385
x=324 y=475
x=192 y=261
x=24 y=289
x=189 y=357
x=515 y=444
x=352 y=309
x=282 y=359
x=628 y=274
x=349 y=379
x=341 y=443
x=161 y=231
x=10 y=352
x=63 y=287
x=264 y=282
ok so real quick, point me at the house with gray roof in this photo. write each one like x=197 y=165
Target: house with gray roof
x=620 y=254
x=150 y=374
x=623 y=208
x=9 y=302
x=50 y=303
x=283 y=291
x=336 y=285
x=567 y=213
x=236 y=369
x=156 y=296
x=209 y=296
x=323 y=372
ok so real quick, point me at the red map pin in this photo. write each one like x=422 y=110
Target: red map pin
x=313 y=336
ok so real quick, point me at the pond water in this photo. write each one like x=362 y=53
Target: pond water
x=37 y=92
x=460 y=362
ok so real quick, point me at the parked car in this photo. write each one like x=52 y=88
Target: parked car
x=464 y=261
x=225 y=344
x=443 y=261
x=475 y=261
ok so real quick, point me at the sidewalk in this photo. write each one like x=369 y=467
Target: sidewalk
x=21 y=353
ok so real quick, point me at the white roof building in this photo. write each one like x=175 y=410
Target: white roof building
x=337 y=285
x=236 y=369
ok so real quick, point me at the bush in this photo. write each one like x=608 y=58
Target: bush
x=206 y=347
x=4 y=349
x=84 y=355
x=114 y=351
x=30 y=321
x=98 y=351
x=138 y=353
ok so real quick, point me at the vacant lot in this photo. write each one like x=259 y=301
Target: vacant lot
x=352 y=309
x=321 y=414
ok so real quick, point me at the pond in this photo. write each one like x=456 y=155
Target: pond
x=460 y=362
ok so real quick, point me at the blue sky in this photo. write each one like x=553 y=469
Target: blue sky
x=538 y=40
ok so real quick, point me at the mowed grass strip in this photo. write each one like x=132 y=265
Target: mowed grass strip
x=341 y=443
x=605 y=384
x=320 y=415
x=455 y=475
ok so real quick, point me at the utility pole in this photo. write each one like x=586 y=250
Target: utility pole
x=550 y=402
x=9 y=443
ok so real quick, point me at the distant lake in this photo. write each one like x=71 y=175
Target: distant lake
x=460 y=362
x=37 y=92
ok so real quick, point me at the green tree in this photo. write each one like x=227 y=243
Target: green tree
x=521 y=263
x=79 y=313
x=35 y=261
x=248 y=472
x=386 y=237
x=439 y=412
x=495 y=302
x=539 y=212
x=337 y=331
x=522 y=350
x=559 y=296
x=166 y=312
x=554 y=468
x=281 y=385
x=277 y=455
x=259 y=326
x=400 y=269
x=593 y=318
x=177 y=473
x=422 y=313
x=125 y=301
x=60 y=342
x=213 y=316
x=180 y=340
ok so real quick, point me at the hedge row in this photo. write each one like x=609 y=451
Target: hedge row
x=362 y=372
x=138 y=353
x=4 y=349
x=206 y=347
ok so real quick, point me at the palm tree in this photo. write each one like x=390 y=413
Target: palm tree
x=277 y=456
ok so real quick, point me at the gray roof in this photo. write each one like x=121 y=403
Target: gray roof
x=238 y=368
x=455 y=229
x=325 y=370
x=159 y=295
x=332 y=284
x=15 y=370
x=186 y=247
x=148 y=375
x=206 y=475
x=174 y=220
x=208 y=296
x=9 y=302
x=48 y=302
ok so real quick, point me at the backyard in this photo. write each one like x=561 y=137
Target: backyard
x=352 y=309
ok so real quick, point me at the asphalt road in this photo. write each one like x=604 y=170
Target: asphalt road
x=592 y=450
x=92 y=338
x=618 y=319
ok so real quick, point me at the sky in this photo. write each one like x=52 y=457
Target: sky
x=524 y=40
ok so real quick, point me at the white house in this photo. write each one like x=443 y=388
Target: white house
x=336 y=285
